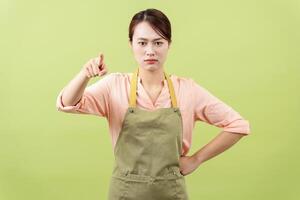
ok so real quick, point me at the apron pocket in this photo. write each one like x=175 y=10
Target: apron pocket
x=160 y=190
x=117 y=189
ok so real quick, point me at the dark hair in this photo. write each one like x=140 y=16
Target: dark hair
x=157 y=20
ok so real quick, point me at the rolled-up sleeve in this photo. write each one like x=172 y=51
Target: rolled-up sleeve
x=210 y=109
x=95 y=99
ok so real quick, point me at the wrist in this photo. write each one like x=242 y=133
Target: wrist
x=198 y=159
x=83 y=75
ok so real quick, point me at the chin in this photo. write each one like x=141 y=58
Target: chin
x=150 y=67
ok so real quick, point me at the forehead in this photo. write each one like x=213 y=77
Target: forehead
x=144 y=30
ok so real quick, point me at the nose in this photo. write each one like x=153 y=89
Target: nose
x=149 y=50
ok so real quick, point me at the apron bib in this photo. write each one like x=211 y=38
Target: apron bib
x=147 y=153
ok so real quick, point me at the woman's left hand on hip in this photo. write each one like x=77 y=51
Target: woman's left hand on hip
x=188 y=164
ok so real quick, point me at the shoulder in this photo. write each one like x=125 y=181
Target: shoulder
x=179 y=78
x=188 y=86
x=185 y=82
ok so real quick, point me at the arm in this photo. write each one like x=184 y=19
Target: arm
x=216 y=146
x=74 y=90
x=95 y=99
x=208 y=108
x=76 y=97
x=220 y=143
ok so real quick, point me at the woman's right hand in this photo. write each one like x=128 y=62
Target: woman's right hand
x=94 y=67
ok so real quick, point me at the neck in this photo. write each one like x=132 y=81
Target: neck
x=151 y=79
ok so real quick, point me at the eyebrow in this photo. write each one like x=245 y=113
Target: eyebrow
x=147 y=39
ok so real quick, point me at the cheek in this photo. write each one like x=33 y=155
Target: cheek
x=137 y=50
x=163 y=50
x=163 y=53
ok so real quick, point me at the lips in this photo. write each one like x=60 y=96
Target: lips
x=150 y=60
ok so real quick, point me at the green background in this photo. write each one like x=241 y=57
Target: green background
x=244 y=52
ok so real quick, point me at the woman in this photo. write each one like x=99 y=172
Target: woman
x=151 y=115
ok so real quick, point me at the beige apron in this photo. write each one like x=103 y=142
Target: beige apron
x=147 y=153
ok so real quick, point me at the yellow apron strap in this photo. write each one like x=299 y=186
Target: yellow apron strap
x=172 y=91
x=133 y=84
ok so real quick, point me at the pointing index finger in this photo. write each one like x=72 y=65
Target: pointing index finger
x=100 y=59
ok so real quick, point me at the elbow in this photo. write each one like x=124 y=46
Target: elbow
x=240 y=126
x=60 y=106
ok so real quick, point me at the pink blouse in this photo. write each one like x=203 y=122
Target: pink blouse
x=109 y=98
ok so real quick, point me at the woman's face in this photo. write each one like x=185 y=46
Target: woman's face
x=147 y=44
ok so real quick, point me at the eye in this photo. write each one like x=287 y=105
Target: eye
x=141 y=43
x=158 y=43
